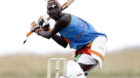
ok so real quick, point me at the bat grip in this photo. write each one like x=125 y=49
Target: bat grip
x=29 y=33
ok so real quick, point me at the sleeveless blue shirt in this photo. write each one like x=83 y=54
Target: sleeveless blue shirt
x=79 y=33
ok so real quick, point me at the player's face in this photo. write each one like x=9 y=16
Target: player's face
x=54 y=10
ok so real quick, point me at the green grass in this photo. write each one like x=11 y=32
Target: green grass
x=119 y=64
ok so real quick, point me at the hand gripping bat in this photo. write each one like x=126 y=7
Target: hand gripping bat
x=64 y=6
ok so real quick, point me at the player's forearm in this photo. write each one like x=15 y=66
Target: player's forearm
x=60 y=41
x=45 y=34
x=56 y=38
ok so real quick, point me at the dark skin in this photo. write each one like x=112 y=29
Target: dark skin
x=61 y=21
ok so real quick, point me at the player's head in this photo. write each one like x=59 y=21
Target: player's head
x=54 y=9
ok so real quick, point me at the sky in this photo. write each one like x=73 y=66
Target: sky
x=119 y=19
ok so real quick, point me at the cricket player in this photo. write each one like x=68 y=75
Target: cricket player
x=89 y=44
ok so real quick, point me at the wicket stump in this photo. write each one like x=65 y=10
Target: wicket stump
x=57 y=67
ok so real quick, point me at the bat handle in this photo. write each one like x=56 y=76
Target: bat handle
x=29 y=33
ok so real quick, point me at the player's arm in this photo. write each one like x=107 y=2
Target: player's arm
x=60 y=40
x=60 y=24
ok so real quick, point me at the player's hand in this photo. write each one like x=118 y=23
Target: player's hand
x=46 y=26
x=42 y=20
x=44 y=23
x=35 y=27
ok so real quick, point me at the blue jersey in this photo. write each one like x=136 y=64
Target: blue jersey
x=79 y=33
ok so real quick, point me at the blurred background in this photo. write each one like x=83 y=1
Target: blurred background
x=119 y=19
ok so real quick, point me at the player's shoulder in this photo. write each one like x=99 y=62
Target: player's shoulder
x=64 y=20
x=65 y=16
